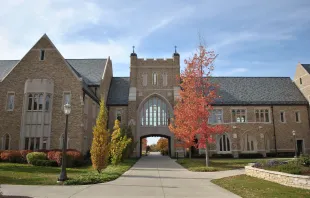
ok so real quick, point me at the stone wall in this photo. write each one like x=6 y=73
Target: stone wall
x=263 y=132
x=55 y=68
x=298 y=181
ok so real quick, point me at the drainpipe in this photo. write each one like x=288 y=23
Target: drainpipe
x=274 y=132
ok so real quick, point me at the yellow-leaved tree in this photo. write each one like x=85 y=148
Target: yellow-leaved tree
x=119 y=143
x=100 y=144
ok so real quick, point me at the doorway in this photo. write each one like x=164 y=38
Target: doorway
x=300 y=145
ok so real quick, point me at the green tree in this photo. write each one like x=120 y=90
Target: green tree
x=100 y=145
x=119 y=143
x=127 y=131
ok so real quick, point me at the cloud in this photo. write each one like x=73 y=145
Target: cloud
x=65 y=20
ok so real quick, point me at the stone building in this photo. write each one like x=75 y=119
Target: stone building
x=260 y=112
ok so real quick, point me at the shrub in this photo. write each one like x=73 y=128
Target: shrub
x=35 y=156
x=100 y=144
x=228 y=155
x=24 y=154
x=54 y=155
x=203 y=169
x=0 y=154
x=44 y=163
x=74 y=157
x=281 y=154
x=250 y=155
x=291 y=168
x=304 y=160
x=118 y=144
x=43 y=151
x=11 y=156
x=87 y=179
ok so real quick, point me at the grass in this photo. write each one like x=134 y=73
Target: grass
x=198 y=165
x=25 y=174
x=248 y=187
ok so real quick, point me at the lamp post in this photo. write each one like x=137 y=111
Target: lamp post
x=294 y=135
x=63 y=174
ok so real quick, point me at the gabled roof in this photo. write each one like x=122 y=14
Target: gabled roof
x=90 y=70
x=6 y=66
x=119 y=91
x=233 y=91
x=258 y=91
x=307 y=67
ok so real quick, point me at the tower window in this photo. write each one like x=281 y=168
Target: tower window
x=154 y=79
x=42 y=55
x=300 y=80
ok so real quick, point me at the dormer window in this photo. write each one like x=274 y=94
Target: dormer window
x=42 y=55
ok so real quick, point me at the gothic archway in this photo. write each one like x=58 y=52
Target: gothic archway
x=153 y=117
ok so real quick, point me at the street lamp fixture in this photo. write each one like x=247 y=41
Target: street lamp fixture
x=63 y=174
x=294 y=135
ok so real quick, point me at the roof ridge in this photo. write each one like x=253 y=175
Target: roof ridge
x=86 y=58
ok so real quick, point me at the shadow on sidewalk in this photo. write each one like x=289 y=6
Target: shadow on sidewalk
x=13 y=196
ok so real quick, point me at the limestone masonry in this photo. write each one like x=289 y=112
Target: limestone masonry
x=261 y=112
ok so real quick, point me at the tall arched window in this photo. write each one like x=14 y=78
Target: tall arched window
x=154 y=78
x=47 y=102
x=30 y=99
x=154 y=112
x=6 y=142
x=41 y=101
x=224 y=143
x=249 y=143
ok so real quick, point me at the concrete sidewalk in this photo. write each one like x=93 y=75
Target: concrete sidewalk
x=151 y=176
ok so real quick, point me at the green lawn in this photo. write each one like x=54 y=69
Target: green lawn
x=248 y=187
x=26 y=174
x=198 y=165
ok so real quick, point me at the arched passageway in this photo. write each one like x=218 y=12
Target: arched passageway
x=153 y=117
x=155 y=135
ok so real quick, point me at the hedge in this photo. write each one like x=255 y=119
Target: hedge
x=74 y=157
x=44 y=163
x=24 y=154
x=251 y=155
x=226 y=155
x=35 y=156
x=11 y=156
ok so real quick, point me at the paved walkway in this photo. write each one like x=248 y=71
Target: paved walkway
x=151 y=176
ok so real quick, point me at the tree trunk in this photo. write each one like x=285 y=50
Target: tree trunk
x=190 y=153
x=207 y=156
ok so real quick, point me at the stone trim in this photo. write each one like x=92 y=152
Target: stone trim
x=298 y=181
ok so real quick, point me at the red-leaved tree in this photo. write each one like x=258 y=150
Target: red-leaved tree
x=193 y=108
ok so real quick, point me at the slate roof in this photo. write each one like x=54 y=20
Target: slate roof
x=307 y=67
x=90 y=70
x=6 y=66
x=258 y=91
x=119 y=91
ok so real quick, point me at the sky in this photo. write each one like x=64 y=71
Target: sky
x=251 y=38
